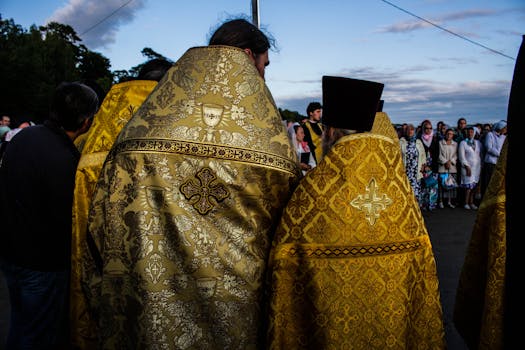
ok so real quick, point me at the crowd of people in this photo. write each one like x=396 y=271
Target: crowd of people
x=451 y=166
x=178 y=212
x=447 y=166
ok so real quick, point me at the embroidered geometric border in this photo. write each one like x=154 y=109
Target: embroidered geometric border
x=204 y=150
x=304 y=250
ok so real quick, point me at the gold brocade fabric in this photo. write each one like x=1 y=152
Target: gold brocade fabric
x=317 y=141
x=117 y=108
x=351 y=266
x=478 y=311
x=185 y=206
x=383 y=126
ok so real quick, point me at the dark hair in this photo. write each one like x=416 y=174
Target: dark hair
x=72 y=104
x=426 y=121
x=297 y=126
x=154 y=69
x=101 y=93
x=312 y=106
x=242 y=34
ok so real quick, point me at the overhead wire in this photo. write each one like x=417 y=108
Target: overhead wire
x=385 y=1
x=105 y=18
x=447 y=30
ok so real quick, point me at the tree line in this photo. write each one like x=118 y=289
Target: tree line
x=34 y=61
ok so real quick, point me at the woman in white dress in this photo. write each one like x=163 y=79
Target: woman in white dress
x=448 y=157
x=469 y=154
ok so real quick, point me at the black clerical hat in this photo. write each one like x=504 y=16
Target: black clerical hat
x=350 y=103
x=380 y=105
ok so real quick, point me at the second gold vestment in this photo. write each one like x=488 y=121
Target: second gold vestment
x=115 y=111
x=351 y=266
x=185 y=207
x=478 y=310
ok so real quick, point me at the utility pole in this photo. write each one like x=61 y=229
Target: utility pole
x=255 y=13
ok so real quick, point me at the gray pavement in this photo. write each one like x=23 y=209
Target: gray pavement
x=449 y=231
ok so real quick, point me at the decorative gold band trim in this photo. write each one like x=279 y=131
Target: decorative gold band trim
x=337 y=252
x=200 y=149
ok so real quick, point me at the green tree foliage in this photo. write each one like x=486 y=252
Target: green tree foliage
x=33 y=62
x=150 y=54
x=95 y=67
x=292 y=116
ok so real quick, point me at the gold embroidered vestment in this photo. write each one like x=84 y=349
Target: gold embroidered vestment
x=117 y=108
x=478 y=311
x=185 y=206
x=351 y=266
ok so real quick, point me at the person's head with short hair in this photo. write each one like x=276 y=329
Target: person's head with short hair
x=449 y=134
x=92 y=83
x=6 y=120
x=73 y=107
x=462 y=123
x=349 y=106
x=470 y=132
x=314 y=111
x=244 y=35
x=441 y=127
x=154 y=69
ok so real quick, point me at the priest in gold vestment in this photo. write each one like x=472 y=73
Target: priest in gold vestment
x=120 y=103
x=478 y=310
x=351 y=265
x=185 y=205
x=488 y=312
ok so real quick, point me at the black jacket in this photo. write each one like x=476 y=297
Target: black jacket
x=37 y=181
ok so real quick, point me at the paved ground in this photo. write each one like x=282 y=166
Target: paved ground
x=449 y=231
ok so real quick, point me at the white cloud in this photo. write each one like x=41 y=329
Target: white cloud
x=97 y=22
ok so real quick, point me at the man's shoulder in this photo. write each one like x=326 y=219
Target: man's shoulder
x=36 y=140
x=31 y=133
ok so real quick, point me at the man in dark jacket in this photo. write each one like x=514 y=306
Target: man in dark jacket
x=37 y=174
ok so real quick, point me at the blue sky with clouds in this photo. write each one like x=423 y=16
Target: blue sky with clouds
x=428 y=73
